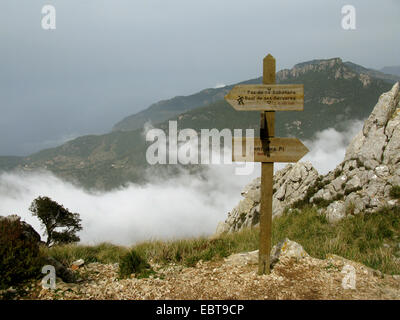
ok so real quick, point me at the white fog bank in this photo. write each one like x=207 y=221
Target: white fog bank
x=186 y=206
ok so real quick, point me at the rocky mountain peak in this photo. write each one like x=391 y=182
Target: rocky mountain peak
x=327 y=63
x=317 y=65
x=374 y=145
x=334 y=69
x=371 y=168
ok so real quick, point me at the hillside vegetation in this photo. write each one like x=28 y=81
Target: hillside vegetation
x=371 y=239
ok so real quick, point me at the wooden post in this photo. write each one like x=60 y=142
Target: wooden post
x=268 y=98
x=267 y=130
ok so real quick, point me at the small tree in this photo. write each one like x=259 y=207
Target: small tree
x=52 y=216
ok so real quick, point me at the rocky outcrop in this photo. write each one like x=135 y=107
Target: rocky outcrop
x=290 y=185
x=27 y=230
x=340 y=70
x=371 y=167
x=361 y=183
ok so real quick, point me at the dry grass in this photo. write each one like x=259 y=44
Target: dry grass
x=190 y=251
x=371 y=239
x=104 y=253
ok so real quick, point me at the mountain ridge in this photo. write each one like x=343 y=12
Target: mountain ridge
x=211 y=95
x=395 y=70
x=334 y=95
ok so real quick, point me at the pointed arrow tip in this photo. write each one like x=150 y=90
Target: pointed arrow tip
x=305 y=151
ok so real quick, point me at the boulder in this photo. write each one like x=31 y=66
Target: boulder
x=241 y=259
x=77 y=264
x=61 y=271
x=336 y=211
x=285 y=248
x=28 y=232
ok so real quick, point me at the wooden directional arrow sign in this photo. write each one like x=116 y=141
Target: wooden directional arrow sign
x=262 y=97
x=271 y=150
x=267 y=98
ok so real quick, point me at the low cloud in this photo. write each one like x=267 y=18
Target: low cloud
x=328 y=147
x=219 y=85
x=184 y=206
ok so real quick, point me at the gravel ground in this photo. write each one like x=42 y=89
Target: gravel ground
x=307 y=278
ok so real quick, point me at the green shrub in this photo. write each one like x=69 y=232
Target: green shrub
x=302 y=203
x=19 y=256
x=351 y=190
x=133 y=263
x=395 y=192
x=311 y=191
x=321 y=202
x=337 y=173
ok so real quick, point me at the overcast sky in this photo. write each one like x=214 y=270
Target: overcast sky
x=110 y=58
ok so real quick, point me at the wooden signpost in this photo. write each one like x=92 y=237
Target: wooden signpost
x=268 y=98
x=250 y=97
x=271 y=150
